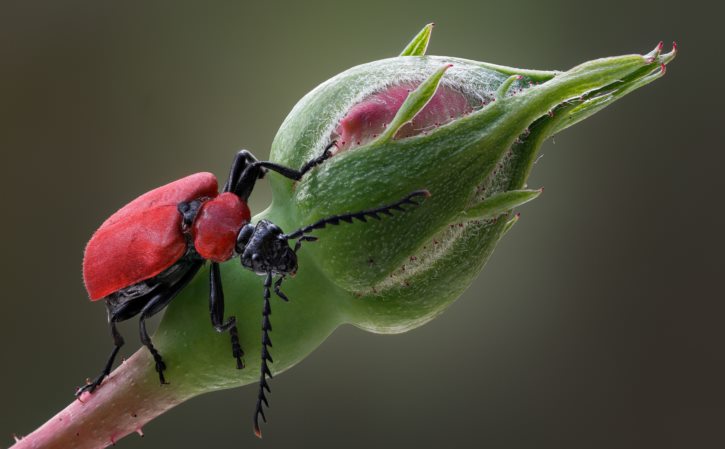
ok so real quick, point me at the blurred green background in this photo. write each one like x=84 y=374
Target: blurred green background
x=596 y=324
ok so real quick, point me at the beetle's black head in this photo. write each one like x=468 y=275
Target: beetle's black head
x=266 y=249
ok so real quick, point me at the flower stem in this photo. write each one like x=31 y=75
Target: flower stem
x=128 y=399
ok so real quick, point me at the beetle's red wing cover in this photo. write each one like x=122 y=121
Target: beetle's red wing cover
x=185 y=189
x=143 y=238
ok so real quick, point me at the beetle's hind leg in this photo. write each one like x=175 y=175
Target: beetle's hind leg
x=157 y=303
x=216 y=309
x=118 y=342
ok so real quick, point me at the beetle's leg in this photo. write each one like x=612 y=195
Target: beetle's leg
x=146 y=312
x=241 y=161
x=319 y=159
x=277 y=285
x=298 y=174
x=245 y=182
x=264 y=369
x=155 y=305
x=216 y=309
x=118 y=342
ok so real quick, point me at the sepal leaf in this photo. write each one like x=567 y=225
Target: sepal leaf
x=419 y=44
x=498 y=204
x=414 y=103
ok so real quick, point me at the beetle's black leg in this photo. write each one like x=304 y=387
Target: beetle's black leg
x=319 y=159
x=118 y=342
x=155 y=305
x=241 y=161
x=245 y=181
x=216 y=309
x=125 y=304
x=146 y=340
x=264 y=369
x=298 y=174
x=361 y=215
x=277 y=285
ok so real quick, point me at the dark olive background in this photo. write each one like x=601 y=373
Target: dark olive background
x=598 y=322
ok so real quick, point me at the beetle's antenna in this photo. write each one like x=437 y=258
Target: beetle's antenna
x=264 y=369
x=372 y=213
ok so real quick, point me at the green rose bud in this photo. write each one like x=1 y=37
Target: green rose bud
x=479 y=129
x=466 y=131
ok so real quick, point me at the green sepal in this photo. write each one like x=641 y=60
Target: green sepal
x=510 y=224
x=578 y=109
x=419 y=44
x=413 y=104
x=498 y=204
x=506 y=86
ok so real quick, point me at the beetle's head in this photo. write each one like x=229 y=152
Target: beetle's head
x=265 y=249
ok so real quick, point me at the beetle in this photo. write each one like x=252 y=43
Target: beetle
x=149 y=250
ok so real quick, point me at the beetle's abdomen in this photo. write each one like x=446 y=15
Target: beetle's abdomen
x=217 y=224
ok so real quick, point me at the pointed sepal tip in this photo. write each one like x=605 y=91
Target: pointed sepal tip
x=419 y=45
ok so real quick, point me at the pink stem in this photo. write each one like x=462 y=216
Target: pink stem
x=129 y=398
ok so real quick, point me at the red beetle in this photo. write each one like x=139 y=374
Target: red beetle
x=148 y=251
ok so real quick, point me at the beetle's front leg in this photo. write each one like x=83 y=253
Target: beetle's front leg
x=277 y=289
x=244 y=183
x=242 y=160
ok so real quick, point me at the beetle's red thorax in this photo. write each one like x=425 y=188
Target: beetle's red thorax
x=217 y=224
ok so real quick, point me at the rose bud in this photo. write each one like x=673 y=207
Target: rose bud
x=467 y=132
